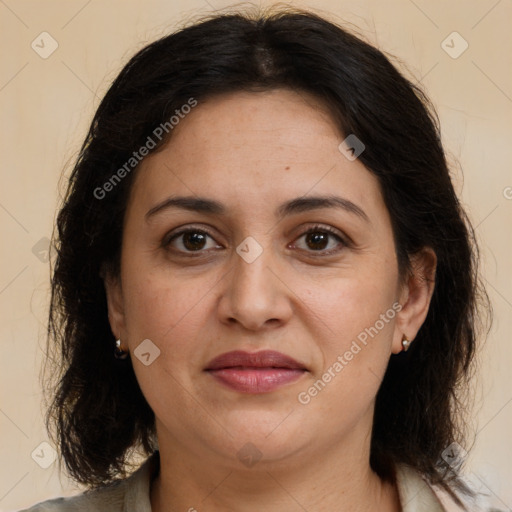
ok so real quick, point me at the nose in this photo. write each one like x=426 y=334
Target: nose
x=255 y=295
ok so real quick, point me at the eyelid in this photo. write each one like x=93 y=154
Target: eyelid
x=343 y=239
x=169 y=237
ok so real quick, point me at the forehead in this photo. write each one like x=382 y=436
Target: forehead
x=248 y=148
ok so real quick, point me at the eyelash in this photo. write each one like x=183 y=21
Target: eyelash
x=314 y=229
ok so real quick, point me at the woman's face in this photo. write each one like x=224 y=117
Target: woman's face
x=247 y=278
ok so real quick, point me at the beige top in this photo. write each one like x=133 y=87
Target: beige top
x=132 y=494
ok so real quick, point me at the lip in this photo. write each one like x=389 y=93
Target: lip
x=258 y=372
x=261 y=359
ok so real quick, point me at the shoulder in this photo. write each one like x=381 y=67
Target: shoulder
x=120 y=496
x=417 y=494
x=106 y=498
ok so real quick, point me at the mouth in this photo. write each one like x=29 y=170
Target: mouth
x=259 y=372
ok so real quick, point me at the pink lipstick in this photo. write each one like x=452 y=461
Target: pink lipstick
x=259 y=372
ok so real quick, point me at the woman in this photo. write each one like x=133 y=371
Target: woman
x=264 y=282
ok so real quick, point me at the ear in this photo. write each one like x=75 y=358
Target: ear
x=115 y=304
x=415 y=296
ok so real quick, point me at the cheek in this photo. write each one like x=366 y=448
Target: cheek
x=346 y=305
x=356 y=314
x=163 y=309
x=170 y=313
x=357 y=318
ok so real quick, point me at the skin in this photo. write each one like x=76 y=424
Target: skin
x=252 y=152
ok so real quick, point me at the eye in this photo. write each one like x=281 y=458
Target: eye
x=194 y=240
x=189 y=240
x=317 y=239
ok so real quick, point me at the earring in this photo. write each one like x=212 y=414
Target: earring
x=119 y=353
x=405 y=344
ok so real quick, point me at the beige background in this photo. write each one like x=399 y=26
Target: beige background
x=46 y=107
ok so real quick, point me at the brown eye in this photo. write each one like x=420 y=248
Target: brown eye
x=193 y=241
x=190 y=240
x=323 y=240
x=317 y=240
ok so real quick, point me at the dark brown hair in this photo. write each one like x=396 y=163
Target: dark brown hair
x=98 y=413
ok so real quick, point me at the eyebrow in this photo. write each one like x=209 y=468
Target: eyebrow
x=294 y=206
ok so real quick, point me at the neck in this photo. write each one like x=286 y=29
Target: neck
x=333 y=479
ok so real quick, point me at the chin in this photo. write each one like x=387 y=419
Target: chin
x=266 y=438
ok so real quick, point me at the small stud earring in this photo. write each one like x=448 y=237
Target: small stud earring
x=119 y=353
x=405 y=344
